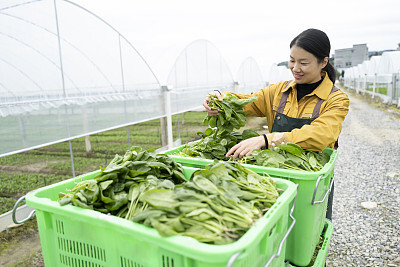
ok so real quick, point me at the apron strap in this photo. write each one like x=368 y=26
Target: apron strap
x=284 y=97
x=317 y=107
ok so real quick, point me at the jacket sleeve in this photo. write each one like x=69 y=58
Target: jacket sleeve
x=324 y=130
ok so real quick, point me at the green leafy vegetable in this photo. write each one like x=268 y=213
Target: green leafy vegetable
x=216 y=205
x=287 y=156
x=231 y=114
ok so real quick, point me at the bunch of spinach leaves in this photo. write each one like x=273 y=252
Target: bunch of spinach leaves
x=214 y=144
x=111 y=190
x=217 y=140
x=231 y=114
x=217 y=205
x=288 y=156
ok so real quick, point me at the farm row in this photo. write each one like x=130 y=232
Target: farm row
x=23 y=172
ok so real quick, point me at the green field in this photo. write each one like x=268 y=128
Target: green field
x=23 y=172
x=378 y=90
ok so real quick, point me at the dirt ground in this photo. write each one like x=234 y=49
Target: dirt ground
x=20 y=246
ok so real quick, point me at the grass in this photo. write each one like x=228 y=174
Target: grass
x=378 y=90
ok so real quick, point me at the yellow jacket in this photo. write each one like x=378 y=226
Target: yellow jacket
x=323 y=131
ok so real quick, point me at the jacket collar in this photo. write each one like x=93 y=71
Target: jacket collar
x=322 y=91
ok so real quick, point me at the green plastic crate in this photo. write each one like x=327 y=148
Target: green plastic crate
x=72 y=236
x=311 y=204
x=323 y=251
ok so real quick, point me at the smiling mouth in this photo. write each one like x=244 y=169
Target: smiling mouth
x=297 y=76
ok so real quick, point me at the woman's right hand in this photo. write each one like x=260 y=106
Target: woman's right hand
x=211 y=112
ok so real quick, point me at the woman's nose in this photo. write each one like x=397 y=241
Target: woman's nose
x=296 y=67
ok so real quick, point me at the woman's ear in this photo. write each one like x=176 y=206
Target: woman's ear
x=325 y=62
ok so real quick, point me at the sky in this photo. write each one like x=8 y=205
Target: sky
x=261 y=29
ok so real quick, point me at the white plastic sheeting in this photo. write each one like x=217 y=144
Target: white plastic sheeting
x=389 y=63
x=279 y=73
x=249 y=77
x=66 y=73
x=378 y=76
x=373 y=66
x=198 y=70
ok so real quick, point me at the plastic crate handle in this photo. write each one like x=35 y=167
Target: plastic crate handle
x=276 y=255
x=313 y=202
x=14 y=210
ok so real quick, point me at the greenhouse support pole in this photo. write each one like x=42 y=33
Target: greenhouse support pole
x=365 y=82
x=394 y=85
x=397 y=88
x=374 y=88
x=63 y=85
x=167 y=94
x=123 y=84
x=72 y=158
x=127 y=133
x=177 y=123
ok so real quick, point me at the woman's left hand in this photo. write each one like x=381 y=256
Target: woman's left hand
x=245 y=147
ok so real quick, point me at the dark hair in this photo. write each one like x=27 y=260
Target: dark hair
x=317 y=43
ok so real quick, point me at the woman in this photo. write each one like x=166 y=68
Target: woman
x=308 y=111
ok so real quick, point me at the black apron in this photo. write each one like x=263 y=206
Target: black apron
x=284 y=123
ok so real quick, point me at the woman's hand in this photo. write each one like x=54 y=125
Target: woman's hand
x=211 y=112
x=245 y=147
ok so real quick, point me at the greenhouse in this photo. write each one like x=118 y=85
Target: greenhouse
x=378 y=76
x=249 y=76
x=279 y=73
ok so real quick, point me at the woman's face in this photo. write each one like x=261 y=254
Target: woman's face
x=304 y=66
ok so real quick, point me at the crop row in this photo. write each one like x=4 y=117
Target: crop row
x=23 y=172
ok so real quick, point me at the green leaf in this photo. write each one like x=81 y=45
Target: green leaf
x=134 y=192
x=160 y=198
x=104 y=185
x=202 y=214
x=293 y=159
x=312 y=160
x=323 y=158
x=120 y=199
x=166 y=184
x=163 y=229
x=249 y=134
x=292 y=148
x=213 y=121
x=205 y=184
x=209 y=131
x=148 y=214
x=269 y=158
x=108 y=176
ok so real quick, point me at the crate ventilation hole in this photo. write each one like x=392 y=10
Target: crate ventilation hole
x=165 y=260
x=129 y=263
